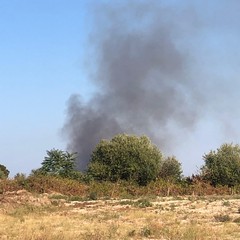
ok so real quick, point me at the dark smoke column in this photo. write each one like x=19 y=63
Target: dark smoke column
x=142 y=80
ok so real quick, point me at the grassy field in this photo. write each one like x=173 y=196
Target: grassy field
x=57 y=217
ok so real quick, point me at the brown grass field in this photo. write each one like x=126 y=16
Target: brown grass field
x=54 y=216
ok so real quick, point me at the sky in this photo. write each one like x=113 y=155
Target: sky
x=51 y=51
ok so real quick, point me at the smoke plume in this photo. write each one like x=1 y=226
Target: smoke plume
x=141 y=69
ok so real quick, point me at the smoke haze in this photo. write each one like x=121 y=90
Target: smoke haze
x=144 y=69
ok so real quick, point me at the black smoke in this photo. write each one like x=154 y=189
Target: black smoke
x=142 y=70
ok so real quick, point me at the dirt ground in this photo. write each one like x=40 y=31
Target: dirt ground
x=52 y=216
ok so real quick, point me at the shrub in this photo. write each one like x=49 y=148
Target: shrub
x=143 y=203
x=125 y=157
x=93 y=196
x=226 y=204
x=21 y=179
x=4 y=172
x=171 y=170
x=45 y=183
x=222 y=218
x=146 y=232
x=222 y=167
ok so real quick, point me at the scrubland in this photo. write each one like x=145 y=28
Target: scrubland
x=52 y=208
x=26 y=216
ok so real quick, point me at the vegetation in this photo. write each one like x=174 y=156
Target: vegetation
x=3 y=172
x=222 y=167
x=116 y=208
x=58 y=163
x=171 y=169
x=125 y=157
x=102 y=220
x=128 y=166
x=222 y=218
x=105 y=190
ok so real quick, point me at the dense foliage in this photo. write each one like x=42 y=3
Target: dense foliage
x=58 y=162
x=222 y=167
x=118 y=166
x=3 y=172
x=125 y=157
x=171 y=169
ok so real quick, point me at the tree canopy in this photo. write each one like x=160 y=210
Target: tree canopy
x=171 y=169
x=4 y=172
x=125 y=157
x=222 y=167
x=58 y=162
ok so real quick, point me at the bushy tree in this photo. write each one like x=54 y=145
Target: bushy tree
x=171 y=169
x=58 y=162
x=3 y=172
x=222 y=167
x=125 y=157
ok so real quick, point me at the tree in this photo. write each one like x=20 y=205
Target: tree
x=171 y=169
x=58 y=162
x=125 y=157
x=222 y=167
x=3 y=172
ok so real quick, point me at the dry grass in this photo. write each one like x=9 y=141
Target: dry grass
x=185 y=218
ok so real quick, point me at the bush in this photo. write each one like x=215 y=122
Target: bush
x=9 y=185
x=3 y=172
x=171 y=170
x=143 y=203
x=146 y=232
x=48 y=184
x=125 y=157
x=222 y=167
x=21 y=179
x=222 y=218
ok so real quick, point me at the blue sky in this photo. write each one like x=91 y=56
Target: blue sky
x=44 y=48
x=41 y=50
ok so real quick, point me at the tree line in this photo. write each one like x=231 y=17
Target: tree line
x=136 y=159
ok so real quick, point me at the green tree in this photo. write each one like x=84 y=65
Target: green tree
x=125 y=157
x=3 y=172
x=171 y=169
x=222 y=167
x=58 y=162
